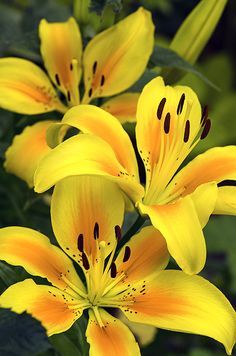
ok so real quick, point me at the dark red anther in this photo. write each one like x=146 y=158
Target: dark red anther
x=167 y=123
x=187 y=131
x=113 y=270
x=102 y=80
x=161 y=108
x=57 y=79
x=96 y=231
x=118 y=232
x=206 y=129
x=181 y=104
x=204 y=115
x=95 y=67
x=127 y=254
x=85 y=261
x=80 y=243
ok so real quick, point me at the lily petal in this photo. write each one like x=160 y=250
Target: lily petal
x=226 y=201
x=148 y=254
x=81 y=205
x=26 y=151
x=204 y=198
x=61 y=49
x=114 y=338
x=95 y=158
x=45 y=303
x=214 y=165
x=32 y=250
x=25 y=88
x=178 y=302
x=123 y=107
x=93 y=120
x=117 y=57
x=180 y=226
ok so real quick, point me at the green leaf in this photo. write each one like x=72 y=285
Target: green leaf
x=64 y=345
x=21 y=335
x=174 y=66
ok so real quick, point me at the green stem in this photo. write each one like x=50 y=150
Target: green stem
x=134 y=228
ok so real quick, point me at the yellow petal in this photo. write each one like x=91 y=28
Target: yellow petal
x=61 y=49
x=123 y=107
x=95 y=158
x=114 y=338
x=204 y=198
x=226 y=201
x=93 y=120
x=32 y=250
x=180 y=226
x=164 y=149
x=214 y=165
x=80 y=203
x=148 y=254
x=117 y=57
x=26 y=151
x=45 y=303
x=178 y=302
x=25 y=88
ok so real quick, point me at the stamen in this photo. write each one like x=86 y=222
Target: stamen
x=90 y=92
x=118 y=232
x=187 y=131
x=85 y=261
x=167 y=123
x=95 y=67
x=68 y=96
x=204 y=115
x=80 y=243
x=206 y=129
x=161 y=108
x=102 y=80
x=113 y=270
x=127 y=254
x=96 y=231
x=181 y=104
x=57 y=79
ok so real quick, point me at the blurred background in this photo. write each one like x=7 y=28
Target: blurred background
x=20 y=206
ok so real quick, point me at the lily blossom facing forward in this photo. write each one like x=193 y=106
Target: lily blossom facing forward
x=170 y=123
x=86 y=216
x=108 y=63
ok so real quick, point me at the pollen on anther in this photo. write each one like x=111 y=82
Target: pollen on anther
x=96 y=231
x=95 y=67
x=118 y=232
x=57 y=79
x=80 y=243
x=85 y=261
x=113 y=270
x=161 y=108
x=187 y=131
x=167 y=123
x=206 y=129
x=181 y=104
x=90 y=92
x=102 y=80
x=204 y=115
x=127 y=254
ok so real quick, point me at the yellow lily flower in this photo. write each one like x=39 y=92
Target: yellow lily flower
x=87 y=213
x=169 y=125
x=112 y=61
x=109 y=69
